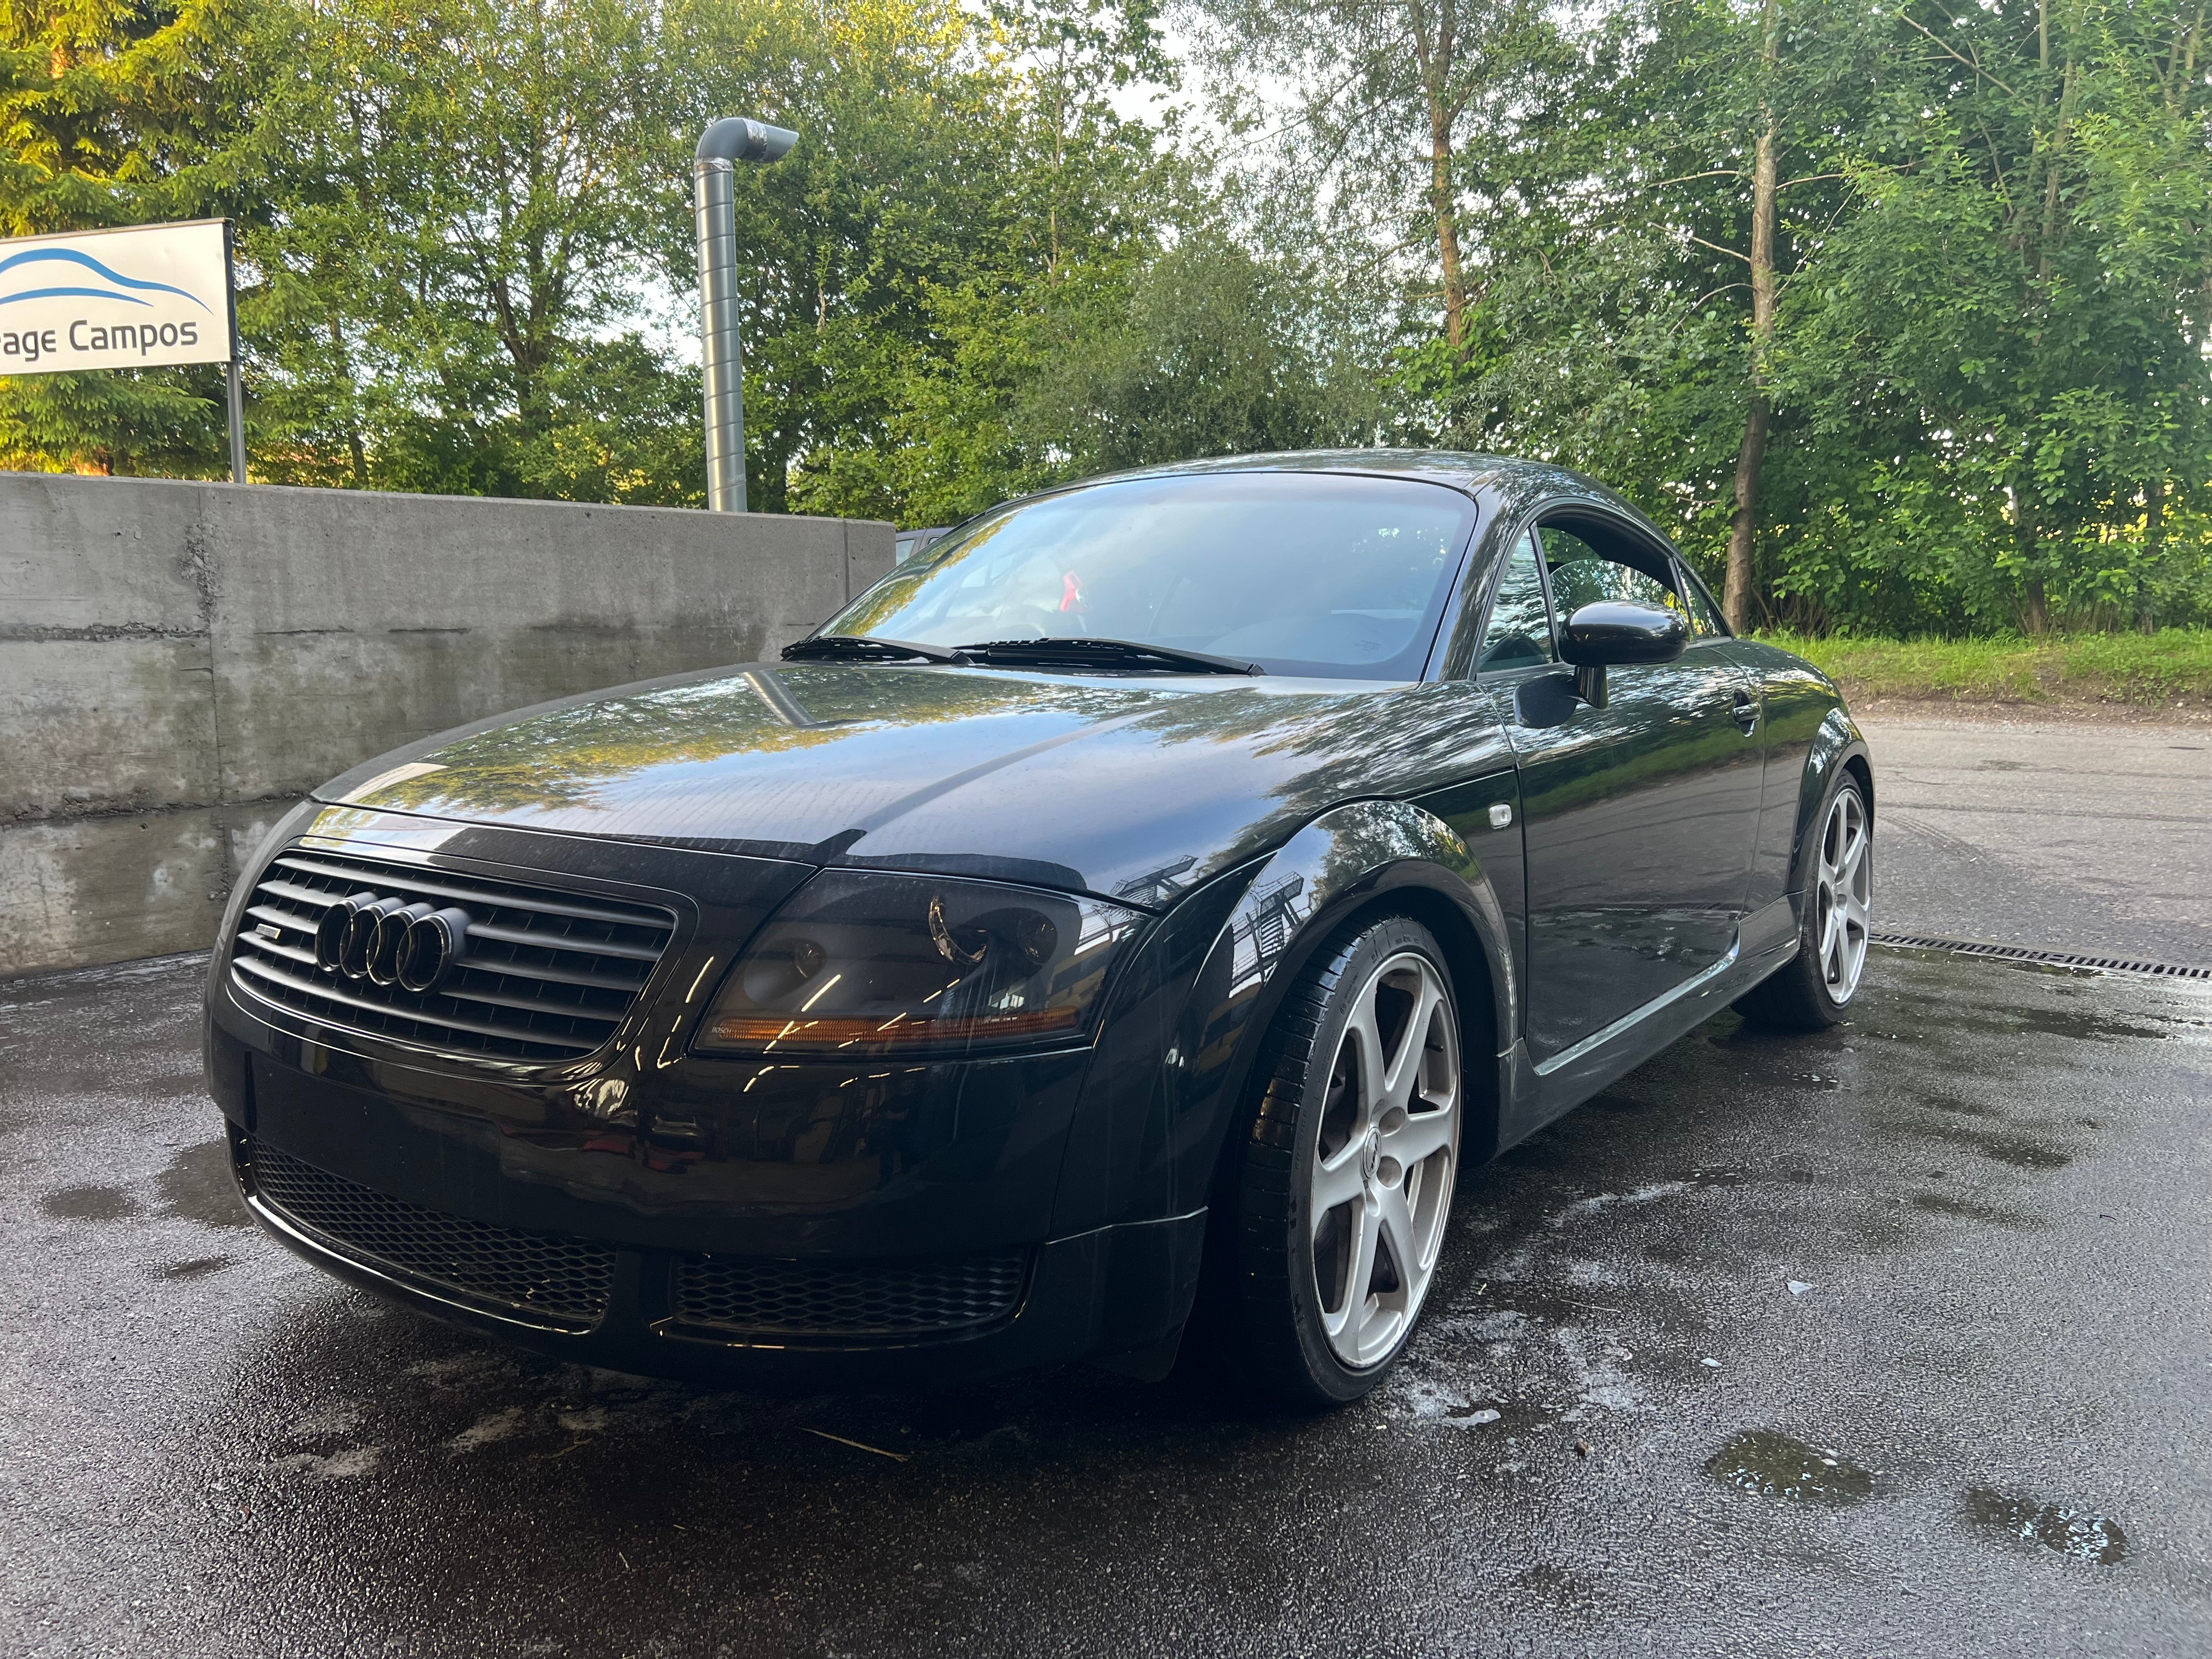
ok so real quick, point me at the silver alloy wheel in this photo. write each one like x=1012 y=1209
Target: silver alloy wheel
x=1845 y=894
x=1385 y=1153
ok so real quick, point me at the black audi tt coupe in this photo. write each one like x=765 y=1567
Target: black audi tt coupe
x=1131 y=914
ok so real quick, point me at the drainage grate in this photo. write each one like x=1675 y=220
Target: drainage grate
x=2056 y=958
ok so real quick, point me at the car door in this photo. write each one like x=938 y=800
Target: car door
x=1639 y=818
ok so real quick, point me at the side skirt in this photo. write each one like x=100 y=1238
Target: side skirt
x=1533 y=1093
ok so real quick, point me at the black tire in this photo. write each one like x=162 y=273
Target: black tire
x=1268 y=1320
x=1797 y=997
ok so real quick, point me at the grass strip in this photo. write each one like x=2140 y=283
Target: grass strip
x=2172 y=668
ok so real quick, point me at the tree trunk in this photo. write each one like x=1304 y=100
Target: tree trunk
x=1434 y=57
x=1743 y=525
x=2154 y=545
x=1736 y=602
x=2051 y=180
x=2181 y=60
x=356 y=449
x=1447 y=212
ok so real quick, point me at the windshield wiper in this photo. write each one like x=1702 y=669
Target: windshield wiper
x=867 y=648
x=1079 y=653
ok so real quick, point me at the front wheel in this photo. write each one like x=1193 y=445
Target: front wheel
x=1811 y=993
x=1347 y=1167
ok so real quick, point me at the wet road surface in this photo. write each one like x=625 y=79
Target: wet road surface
x=2089 y=838
x=1893 y=1342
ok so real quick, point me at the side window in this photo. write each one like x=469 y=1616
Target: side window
x=1519 y=634
x=1703 y=619
x=1583 y=574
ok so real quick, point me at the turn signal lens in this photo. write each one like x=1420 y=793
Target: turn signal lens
x=859 y=963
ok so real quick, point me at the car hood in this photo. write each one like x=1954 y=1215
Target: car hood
x=1132 y=788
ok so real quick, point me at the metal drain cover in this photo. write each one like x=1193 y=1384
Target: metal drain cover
x=2025 y=953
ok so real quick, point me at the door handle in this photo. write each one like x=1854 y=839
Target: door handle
x=1747 y=711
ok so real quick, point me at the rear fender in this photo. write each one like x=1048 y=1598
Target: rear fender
x=1837 y=744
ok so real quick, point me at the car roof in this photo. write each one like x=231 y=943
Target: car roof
x=1516 y=480
x=1464 y=469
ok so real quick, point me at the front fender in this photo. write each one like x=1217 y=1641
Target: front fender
x=1173 y=1071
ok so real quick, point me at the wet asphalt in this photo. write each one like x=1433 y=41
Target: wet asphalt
x=1895 y=1341
x=2094 y=838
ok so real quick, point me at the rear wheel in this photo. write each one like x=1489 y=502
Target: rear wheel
x=1348 y=1165
x=1811 y=993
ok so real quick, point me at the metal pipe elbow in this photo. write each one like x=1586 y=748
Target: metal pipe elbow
x=736 y=138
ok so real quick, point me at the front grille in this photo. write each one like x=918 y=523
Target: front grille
x=753 y=1296
x=547 y=974
x=560 y=1282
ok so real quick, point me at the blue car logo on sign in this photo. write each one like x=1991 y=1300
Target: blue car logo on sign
x=69 y=256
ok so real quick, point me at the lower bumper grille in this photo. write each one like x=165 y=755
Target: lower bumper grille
x=871 y=1299
x=563 y=1283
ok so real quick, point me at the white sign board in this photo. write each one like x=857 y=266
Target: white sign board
x=116 y=299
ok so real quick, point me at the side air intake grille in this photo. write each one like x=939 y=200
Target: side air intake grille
x=882 y=1300
x=541 y=974
x=563 y=1283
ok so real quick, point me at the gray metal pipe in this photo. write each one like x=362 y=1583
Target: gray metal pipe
x=714 y=170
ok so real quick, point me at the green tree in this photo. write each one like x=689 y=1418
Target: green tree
x=1906 y=313
x=1020 y=238
x=445 y=286
x=118 y=114
x=1390 y=93
x=2007 y=353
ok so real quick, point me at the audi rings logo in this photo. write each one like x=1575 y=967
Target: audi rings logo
x=389 y=941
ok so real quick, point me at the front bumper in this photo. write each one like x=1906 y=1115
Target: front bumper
x=432 y=1224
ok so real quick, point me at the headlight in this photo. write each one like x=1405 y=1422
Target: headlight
x=861 y=964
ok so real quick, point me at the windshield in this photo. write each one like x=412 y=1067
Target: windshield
x=1302 y=573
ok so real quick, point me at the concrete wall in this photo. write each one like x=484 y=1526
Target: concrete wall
x=180 y=662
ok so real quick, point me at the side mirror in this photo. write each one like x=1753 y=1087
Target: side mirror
x=1615 y=633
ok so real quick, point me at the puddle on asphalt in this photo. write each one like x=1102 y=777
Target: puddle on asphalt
x=1770 y=1464
x=1938 y=958
x=2079 y=1534
x=2021 y=1154
x=2082 y=1027
x=197 y=1267
x=1944 y=1204
x=1619 y=1104
x=90 y=1204
x=1963 y=1108
x=2076 y=1025
x=1553 y=1584
x=198 y=1187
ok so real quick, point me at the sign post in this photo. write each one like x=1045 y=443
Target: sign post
x=147 y=297
x=232 y=379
